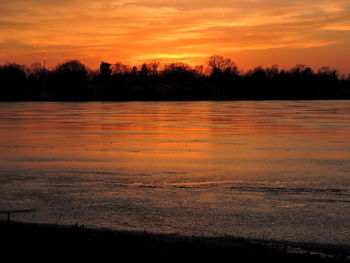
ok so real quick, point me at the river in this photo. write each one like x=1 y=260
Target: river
x=257 y=169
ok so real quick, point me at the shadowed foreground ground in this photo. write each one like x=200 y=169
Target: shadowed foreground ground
x=53 y=242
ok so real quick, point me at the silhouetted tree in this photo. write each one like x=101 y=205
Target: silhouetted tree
x=153 y=67
x=120 y=68
x=105 y=69
x=144 y=70
x=12 y=81
x=134 y=71
x=219 y=64
x=70 y=81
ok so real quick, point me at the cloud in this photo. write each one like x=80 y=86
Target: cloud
x=132 y=30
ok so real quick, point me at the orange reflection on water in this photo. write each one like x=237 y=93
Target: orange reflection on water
x=219 y=136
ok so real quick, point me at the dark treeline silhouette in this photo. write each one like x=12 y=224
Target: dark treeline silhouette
x=220 y=80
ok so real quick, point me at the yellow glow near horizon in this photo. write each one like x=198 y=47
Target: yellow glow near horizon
x=251 y=32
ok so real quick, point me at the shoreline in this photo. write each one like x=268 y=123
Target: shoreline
x=177 y=100
x=78 y=241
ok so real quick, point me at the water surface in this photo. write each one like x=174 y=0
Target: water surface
x=269 y=169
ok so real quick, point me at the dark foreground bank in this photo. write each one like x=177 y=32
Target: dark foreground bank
x=53 y=242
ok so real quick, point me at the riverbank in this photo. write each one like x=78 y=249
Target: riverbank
x=52 y=242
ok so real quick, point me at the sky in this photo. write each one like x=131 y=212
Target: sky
x=250 y=32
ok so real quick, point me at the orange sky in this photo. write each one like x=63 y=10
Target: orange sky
x=251 y=32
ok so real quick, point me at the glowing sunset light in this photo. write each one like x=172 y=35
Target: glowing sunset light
x=252 y=33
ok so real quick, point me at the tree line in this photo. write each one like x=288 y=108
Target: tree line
x=219 y=80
